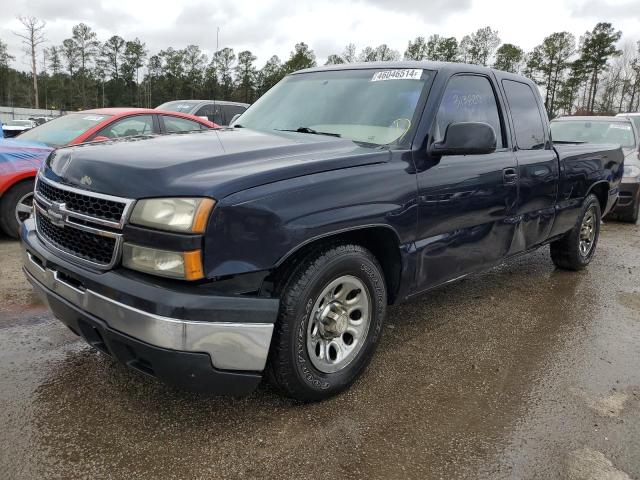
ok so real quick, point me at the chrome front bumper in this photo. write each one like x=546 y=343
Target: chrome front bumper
x=231 y=346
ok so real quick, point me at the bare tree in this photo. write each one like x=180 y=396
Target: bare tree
x=32 y=37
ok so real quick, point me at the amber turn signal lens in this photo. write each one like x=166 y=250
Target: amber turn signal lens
x=202 y=215
x=193 y=265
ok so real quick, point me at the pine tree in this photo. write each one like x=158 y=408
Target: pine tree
x=246 y=74
x=548 y=63
x=597 y=47
x=416 y=49
x=509 y=58
x=302 y=57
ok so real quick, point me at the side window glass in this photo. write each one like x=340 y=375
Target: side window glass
x=128 y=127
x=205 y=111
x=468 y=98
x=235 y=110
x=215 y=114
x=228 y=113
x=176 y=124
x=527 y=122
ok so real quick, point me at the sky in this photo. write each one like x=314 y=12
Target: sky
x=273 y=27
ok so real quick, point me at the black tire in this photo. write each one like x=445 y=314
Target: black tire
x=8 y=222
x=290 y=368
x=565 y=252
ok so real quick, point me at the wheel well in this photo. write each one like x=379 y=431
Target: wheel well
x=18 y=181
x=601 y=191
x=382 y=242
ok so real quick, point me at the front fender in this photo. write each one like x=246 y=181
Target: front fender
x=256 y=230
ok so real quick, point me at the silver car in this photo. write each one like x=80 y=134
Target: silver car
x=216 y=111
x=617 y=130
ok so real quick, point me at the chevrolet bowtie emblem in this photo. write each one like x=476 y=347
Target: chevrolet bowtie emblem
x=56 y=214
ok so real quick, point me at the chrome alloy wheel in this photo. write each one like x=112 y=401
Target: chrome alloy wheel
x=588 y=231
x=338 y=324
x=24 y=207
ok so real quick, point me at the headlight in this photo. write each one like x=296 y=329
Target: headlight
x=631 y=171
x=187 y=215
x=183 y=265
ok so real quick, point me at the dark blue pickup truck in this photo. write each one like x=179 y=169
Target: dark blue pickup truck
x=273 y=247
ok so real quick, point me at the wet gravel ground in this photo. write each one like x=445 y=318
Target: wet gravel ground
x=522 y=372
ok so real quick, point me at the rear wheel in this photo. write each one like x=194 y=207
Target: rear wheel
x=575 y=250
x=332 y=309
x=16 y=206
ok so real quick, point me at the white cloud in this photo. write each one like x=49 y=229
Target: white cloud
x=269 y=27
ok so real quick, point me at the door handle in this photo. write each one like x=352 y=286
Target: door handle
x=510 y=176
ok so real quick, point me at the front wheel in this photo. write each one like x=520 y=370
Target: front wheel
x=16 y=206
x=331 y=315
x=575 y=250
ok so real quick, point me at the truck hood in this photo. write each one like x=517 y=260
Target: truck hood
x=213 y=163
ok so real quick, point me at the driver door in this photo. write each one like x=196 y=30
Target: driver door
x=466 y=202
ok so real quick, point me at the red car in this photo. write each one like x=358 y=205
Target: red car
x=20 y=157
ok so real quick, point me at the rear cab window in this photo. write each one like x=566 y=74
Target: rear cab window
x=528 y=125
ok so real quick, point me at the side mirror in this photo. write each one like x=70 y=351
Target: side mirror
x=100 y=138
x=234 y=118
x=466 y=138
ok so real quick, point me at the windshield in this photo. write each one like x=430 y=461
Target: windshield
x=636 y=121
x=594 y=131
x=371 y=106
x=62 y=130
x=182 y=106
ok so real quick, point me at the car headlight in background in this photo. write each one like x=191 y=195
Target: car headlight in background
x=187 y=215
x=631 y=171
x=182 y=265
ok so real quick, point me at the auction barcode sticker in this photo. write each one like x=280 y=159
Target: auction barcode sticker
x=399 y=74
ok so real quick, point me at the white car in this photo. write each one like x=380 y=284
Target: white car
x=15 y=127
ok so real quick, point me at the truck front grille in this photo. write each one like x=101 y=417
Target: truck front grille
x=83 y=203
x=79 y=225
x=87 y=246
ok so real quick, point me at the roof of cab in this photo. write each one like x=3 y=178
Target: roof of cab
x=424 y=64
x=592 y=118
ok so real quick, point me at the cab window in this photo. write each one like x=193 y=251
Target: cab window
x=231 y=111
x=212 y=112
x=128 y=127
x=527 y=122
x=176 y=125
x=468 y=98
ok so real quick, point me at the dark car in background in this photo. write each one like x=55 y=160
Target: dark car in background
x=619 y=130
x=218 y=112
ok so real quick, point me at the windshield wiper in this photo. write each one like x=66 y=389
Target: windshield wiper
x=568 y=142
x=311 y=131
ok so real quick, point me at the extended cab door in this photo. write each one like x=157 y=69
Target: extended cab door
x=538 y=166
x=466 y=202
